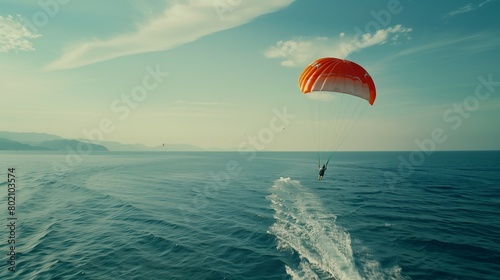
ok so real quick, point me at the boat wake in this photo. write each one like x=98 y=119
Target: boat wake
x=304 y=227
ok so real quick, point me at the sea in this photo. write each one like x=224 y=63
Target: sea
x=250 y=215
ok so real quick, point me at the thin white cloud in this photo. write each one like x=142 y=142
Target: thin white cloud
x=484 y=2
x=469 y=44
x=467 y=8
x=14 y=36
x=302 y=51
x=181 y=23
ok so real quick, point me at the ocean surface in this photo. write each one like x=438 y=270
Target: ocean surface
x=229 y=215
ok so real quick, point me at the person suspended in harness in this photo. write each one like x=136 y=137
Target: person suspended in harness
x=321 y=172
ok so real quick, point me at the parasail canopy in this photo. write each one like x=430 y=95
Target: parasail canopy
x=337 y=75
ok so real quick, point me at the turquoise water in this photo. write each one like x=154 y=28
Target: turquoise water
x=207 y=215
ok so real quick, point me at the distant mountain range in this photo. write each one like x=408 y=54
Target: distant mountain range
x=25 y=141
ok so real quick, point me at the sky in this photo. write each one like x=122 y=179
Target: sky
x=223 y=73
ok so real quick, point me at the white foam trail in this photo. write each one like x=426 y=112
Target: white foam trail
x=303 y=225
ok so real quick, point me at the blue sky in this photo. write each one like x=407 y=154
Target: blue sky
x=223 y=73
